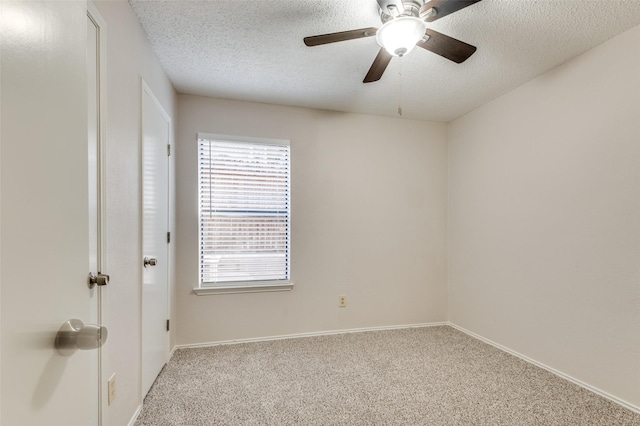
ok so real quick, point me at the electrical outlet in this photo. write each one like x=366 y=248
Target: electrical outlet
x=342 y=301
x=111 y=392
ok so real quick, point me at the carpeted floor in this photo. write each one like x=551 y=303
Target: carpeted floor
x=417 y=376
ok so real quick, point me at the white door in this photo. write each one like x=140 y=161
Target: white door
x=156 y=126
x=44 y=219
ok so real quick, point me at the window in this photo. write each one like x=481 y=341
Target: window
x=244 y=214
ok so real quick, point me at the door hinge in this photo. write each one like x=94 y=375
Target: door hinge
x=169 y=149
x=168 y=237
x=168 y=325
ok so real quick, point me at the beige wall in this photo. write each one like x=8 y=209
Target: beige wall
x=368 y=221
x=544 y=222
x=129 y=57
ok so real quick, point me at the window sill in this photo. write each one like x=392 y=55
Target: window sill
x=206 y=291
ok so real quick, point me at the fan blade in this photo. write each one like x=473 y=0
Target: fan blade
x=447 y=47
x=341 y=36
x=444 y=7
x=379 y=65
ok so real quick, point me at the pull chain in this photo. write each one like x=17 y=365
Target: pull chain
x=400 y=87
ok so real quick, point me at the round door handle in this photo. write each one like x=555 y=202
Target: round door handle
x=150 y=261
x=74 y=335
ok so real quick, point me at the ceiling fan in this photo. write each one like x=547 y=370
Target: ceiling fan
x=404 y=27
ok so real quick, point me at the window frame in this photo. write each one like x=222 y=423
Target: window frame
x=252 y=286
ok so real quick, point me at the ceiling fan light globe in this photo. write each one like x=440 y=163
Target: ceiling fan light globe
x=400 y=35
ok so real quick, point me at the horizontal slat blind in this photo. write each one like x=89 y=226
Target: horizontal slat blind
x=244 y=211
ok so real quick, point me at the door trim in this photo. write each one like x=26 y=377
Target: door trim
x=103 y=372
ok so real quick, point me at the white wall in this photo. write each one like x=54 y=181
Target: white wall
x=129 y=57
x=544 y=224
x=368 y=221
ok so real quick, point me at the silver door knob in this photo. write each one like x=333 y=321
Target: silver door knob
x=74 y=335
x=100 y=279
x=150 y=261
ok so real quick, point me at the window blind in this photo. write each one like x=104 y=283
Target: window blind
x=244 y=200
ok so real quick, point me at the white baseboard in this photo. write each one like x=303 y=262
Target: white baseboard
x=172 y=351
x=558 y=373
x=135 y=415
x=310 y=334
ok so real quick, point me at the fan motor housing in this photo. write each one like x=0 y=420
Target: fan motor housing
x=411 y=8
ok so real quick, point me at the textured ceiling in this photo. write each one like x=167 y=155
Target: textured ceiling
x=253 y=50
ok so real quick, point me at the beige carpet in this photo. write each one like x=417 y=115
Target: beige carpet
x=419 y=376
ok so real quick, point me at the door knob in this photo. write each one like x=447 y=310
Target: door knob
x=100 y=279
x=74 y=335
x=150 y=261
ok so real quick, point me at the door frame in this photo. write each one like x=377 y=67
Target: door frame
x=102 y=306
x=145 y=89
